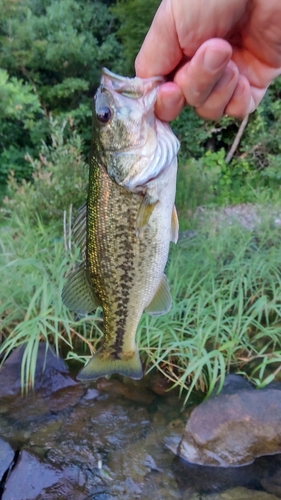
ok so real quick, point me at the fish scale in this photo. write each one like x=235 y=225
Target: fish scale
x=115 y=261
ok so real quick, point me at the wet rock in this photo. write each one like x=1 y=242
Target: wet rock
x=147 y=463
x=29 y=478
x=51 y=372
x=232 y=384
x=83 y=446
x=271 y=477
x=130 y=390
x=204 y=480
x=273 y=484
x=233 y=429
x=82 y=443
x=65 y=398
x=6 y=457
x=91 y=394
x=239 y=494
x=160 y=384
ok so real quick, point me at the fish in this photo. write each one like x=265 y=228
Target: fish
x=125 y=227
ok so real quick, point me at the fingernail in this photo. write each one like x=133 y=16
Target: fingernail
x=170 y=95
x=252 y=106
x=214 y=59
x=169 y=104
x=173 y=101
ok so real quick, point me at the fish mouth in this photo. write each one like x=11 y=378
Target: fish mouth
x=133 y=88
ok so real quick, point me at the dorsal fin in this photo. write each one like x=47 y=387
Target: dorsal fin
x=79 y=228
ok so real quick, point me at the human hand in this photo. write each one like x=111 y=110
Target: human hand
x=222 y=55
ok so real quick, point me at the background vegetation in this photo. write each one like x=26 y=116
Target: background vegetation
x=227 y=304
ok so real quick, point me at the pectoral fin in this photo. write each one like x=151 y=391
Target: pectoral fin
x=162 y=300
x=77 y=294
x=174 y=226
x=147 y=206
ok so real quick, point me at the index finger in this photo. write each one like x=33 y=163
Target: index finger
x=160 y=52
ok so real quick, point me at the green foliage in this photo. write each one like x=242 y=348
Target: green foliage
x=195 y=187
x=59 y=178
x=19 y=108
x=193 y=133
x=259 y=154
x=228 y=178
x=256 y=163
x=53 y=53
x=51 y=41
x=51 y=56
x=17 y=99
x=226 y=288
x=135 y=17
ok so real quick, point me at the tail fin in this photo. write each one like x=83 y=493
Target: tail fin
x=101 y=365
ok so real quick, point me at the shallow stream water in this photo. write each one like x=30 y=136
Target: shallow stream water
x=109 y=440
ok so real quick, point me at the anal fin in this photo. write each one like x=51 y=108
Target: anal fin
x=78 y=294
x=162 y=300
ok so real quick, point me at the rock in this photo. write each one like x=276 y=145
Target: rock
x=45 y=357
x=91 y=394
x=6 y=457
x=147 y=467
x=233 y=429
x=160 y=384
x=204 y=480
x=240 y=494
x=29 y=478
x=245 y=214
x=232 y=384
x=51 y=372
x=130 y=390
x=270 y=477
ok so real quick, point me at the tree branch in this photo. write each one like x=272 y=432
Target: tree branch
x=236 y=140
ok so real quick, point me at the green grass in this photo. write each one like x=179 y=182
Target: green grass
x=33 y=265
x=226 y=287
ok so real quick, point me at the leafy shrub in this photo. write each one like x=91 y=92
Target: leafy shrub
x=19 y=107
x=195 y=187
x=59 y=178
x=51 y=58
x=130 y=32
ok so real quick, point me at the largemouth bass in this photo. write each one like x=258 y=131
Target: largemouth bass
x=125 y=228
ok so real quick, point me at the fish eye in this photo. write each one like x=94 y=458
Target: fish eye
x=104 y=114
